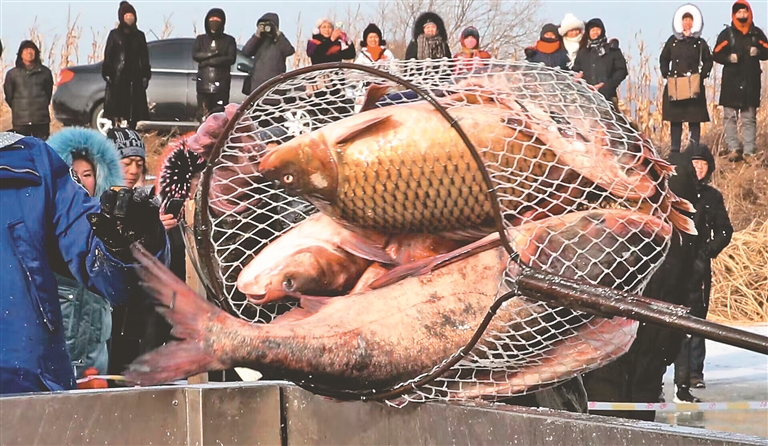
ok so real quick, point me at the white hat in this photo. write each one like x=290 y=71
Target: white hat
x=570 y=22
x=320 y=22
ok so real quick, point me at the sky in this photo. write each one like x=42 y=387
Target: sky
x=623 y=19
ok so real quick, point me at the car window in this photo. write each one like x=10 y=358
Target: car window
x=171 y=54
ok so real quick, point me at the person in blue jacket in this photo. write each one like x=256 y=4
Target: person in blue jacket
x=48 y=218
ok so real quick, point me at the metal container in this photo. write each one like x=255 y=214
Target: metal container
x=278 y=413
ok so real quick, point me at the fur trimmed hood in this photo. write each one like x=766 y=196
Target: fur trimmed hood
x=99 y=150
x=698 y=21
x=418 y=26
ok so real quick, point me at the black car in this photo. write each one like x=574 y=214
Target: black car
x=172 y=95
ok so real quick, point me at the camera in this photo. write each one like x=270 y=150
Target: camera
x=267 y=28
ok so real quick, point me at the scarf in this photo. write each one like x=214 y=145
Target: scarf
x=571 y=45
x=601 y=43
x=547 y=47
x=376 y=52
x=430 y=47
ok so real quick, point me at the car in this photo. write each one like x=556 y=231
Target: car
x=171 y=95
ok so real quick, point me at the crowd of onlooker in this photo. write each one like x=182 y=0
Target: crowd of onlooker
x=90 y=323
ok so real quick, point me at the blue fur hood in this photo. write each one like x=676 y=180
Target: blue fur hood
x=99 y=149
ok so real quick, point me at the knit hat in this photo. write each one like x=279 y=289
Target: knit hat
x=738 y=6
x=128 y=142
x=124 y=9
x=549 y=28
x=371 y=28
x=470 y=31
x=320 y=22
x=596 y=23
x=570 y=22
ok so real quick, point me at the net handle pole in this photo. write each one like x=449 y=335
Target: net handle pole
x=597 y=299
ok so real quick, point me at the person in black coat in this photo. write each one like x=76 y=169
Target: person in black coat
x=739 y=48
x=715 y=232
x=549 y=49
x=269 y=48
x=126 y=70
x=686 y=53
x=638 y=375
x=601 y=62
x=28 y=89
x=215 y=52
x=430 y=38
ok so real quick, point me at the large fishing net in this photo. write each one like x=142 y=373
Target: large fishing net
x=579 y=192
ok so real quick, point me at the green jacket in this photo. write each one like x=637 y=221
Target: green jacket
x=87 y=326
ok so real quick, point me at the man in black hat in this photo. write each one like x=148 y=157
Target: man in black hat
x=28 y=89
x=215 y=53
x=269 y=48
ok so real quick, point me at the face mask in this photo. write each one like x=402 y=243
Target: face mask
x=742 y=20
x=214 y=26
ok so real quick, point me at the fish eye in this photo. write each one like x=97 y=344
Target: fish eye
x=289 y=284
x=287 y=178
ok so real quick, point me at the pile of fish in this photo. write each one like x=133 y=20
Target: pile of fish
x=399 y=268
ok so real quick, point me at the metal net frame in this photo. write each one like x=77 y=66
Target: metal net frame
x=569 y=186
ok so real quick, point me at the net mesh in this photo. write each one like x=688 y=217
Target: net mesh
x=580 y=193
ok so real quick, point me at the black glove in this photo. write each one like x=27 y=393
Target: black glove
x=529 y=52
x=127 y=216
x=108 y=79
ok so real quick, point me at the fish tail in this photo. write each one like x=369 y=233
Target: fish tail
x=188 y=313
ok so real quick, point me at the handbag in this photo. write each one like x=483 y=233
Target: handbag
x=685 y=87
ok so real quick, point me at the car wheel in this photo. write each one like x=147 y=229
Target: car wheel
x=98 y=121
x=297 y=122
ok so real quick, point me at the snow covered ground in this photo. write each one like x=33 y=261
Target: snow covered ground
x=731 y=374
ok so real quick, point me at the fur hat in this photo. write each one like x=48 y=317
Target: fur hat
x=128 y=142
x=372 y=28
x=677 y=20
x=570 y=22
x=78 y=142
x=124 y=9
x=316 y=30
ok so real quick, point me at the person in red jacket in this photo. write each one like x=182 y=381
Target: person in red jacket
x=470 y=57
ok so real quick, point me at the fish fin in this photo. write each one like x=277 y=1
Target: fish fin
x=682 y=204
x=360 y=246
x=294 y=315
x=682 y=222
x=401 y=272
x=372 y=96
x=313 y=304
x=187 y=312
x=467 y=234
x=426 y=266
x=362 y=124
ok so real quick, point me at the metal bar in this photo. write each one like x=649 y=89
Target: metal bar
x=596 y=299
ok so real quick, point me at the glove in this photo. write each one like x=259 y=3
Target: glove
x=530 y=52
x=734 y=58
x=127 y=216
x=145 y=83
x=108 y=79
x=753 y=51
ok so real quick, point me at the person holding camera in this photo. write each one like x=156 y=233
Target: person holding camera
x=215 y=53
x=269 y=48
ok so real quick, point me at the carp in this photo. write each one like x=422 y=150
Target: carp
x=317 y=256
x=404 y=168
x=378 y=339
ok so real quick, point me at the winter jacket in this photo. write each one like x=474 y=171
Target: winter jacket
x=740 y=84
x=412 y=51
x=321 y=49
x=602 y=63
x=680 y=57
x=28 y=92
x=268 y=53
x=87 y=316
x=215 y=53
x=127 y=72
x=711 y=218
x=550 y=54
x=44 y=215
